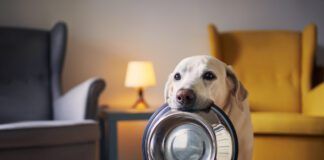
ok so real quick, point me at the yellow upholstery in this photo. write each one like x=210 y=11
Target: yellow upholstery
x=309 y=42
x=276 y=68
x=267 y=147
x=270 y=79
x=287 y=124
x=314 y=101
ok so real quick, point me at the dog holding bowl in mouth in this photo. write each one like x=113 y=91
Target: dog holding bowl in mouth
x=202 y=80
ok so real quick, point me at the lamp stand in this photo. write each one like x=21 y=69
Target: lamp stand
x=140 y=102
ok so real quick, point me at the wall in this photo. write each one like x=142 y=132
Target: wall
x=105 y=34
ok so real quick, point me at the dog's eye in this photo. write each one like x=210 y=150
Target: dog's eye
x=177 y=76
x=208 y=76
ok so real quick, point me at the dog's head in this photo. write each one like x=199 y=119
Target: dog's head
x=198 y=81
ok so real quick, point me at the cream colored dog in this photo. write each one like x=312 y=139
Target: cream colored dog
x=199 y=81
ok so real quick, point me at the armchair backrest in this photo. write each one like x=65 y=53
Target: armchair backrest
x=274 y=66
x=30 y=72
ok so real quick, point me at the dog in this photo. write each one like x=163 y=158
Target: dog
x=198 y=81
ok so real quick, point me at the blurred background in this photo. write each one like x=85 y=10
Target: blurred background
x=106 y=34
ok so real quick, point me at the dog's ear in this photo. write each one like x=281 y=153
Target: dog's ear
x=168 y=87
x=237 y=89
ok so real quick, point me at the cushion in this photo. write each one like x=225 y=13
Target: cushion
x=276 y=123
x=49 y=133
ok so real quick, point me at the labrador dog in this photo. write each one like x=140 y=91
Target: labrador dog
x=198 y=81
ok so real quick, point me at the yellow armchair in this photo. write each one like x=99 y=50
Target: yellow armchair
x=276 y=68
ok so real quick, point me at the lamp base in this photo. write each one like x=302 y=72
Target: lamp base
x=140 y=102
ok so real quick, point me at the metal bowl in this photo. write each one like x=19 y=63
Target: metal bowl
x=189 y=135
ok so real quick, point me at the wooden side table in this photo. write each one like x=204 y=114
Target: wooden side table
x=108 y=123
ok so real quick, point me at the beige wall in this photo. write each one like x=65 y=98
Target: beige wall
x=105 y=34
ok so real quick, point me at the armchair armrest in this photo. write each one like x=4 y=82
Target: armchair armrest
x=80 y=102
x=314 y=101
x=47 y=133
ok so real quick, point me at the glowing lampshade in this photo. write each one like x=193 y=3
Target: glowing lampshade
x=140 y=74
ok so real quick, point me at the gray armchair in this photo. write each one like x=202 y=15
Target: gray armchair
x=36 y=121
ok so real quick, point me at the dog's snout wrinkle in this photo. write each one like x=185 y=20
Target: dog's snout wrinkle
x=186 y=97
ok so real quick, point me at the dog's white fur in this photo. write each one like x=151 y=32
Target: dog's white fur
x=225 y=91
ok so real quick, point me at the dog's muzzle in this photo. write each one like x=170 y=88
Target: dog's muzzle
x=185 y=98
x=173 y=134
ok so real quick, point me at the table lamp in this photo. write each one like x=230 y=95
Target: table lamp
x=140 y=75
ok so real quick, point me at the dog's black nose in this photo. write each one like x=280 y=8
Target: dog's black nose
x=186 y=97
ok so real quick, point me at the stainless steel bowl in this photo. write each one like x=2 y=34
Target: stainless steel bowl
x=189 y=135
